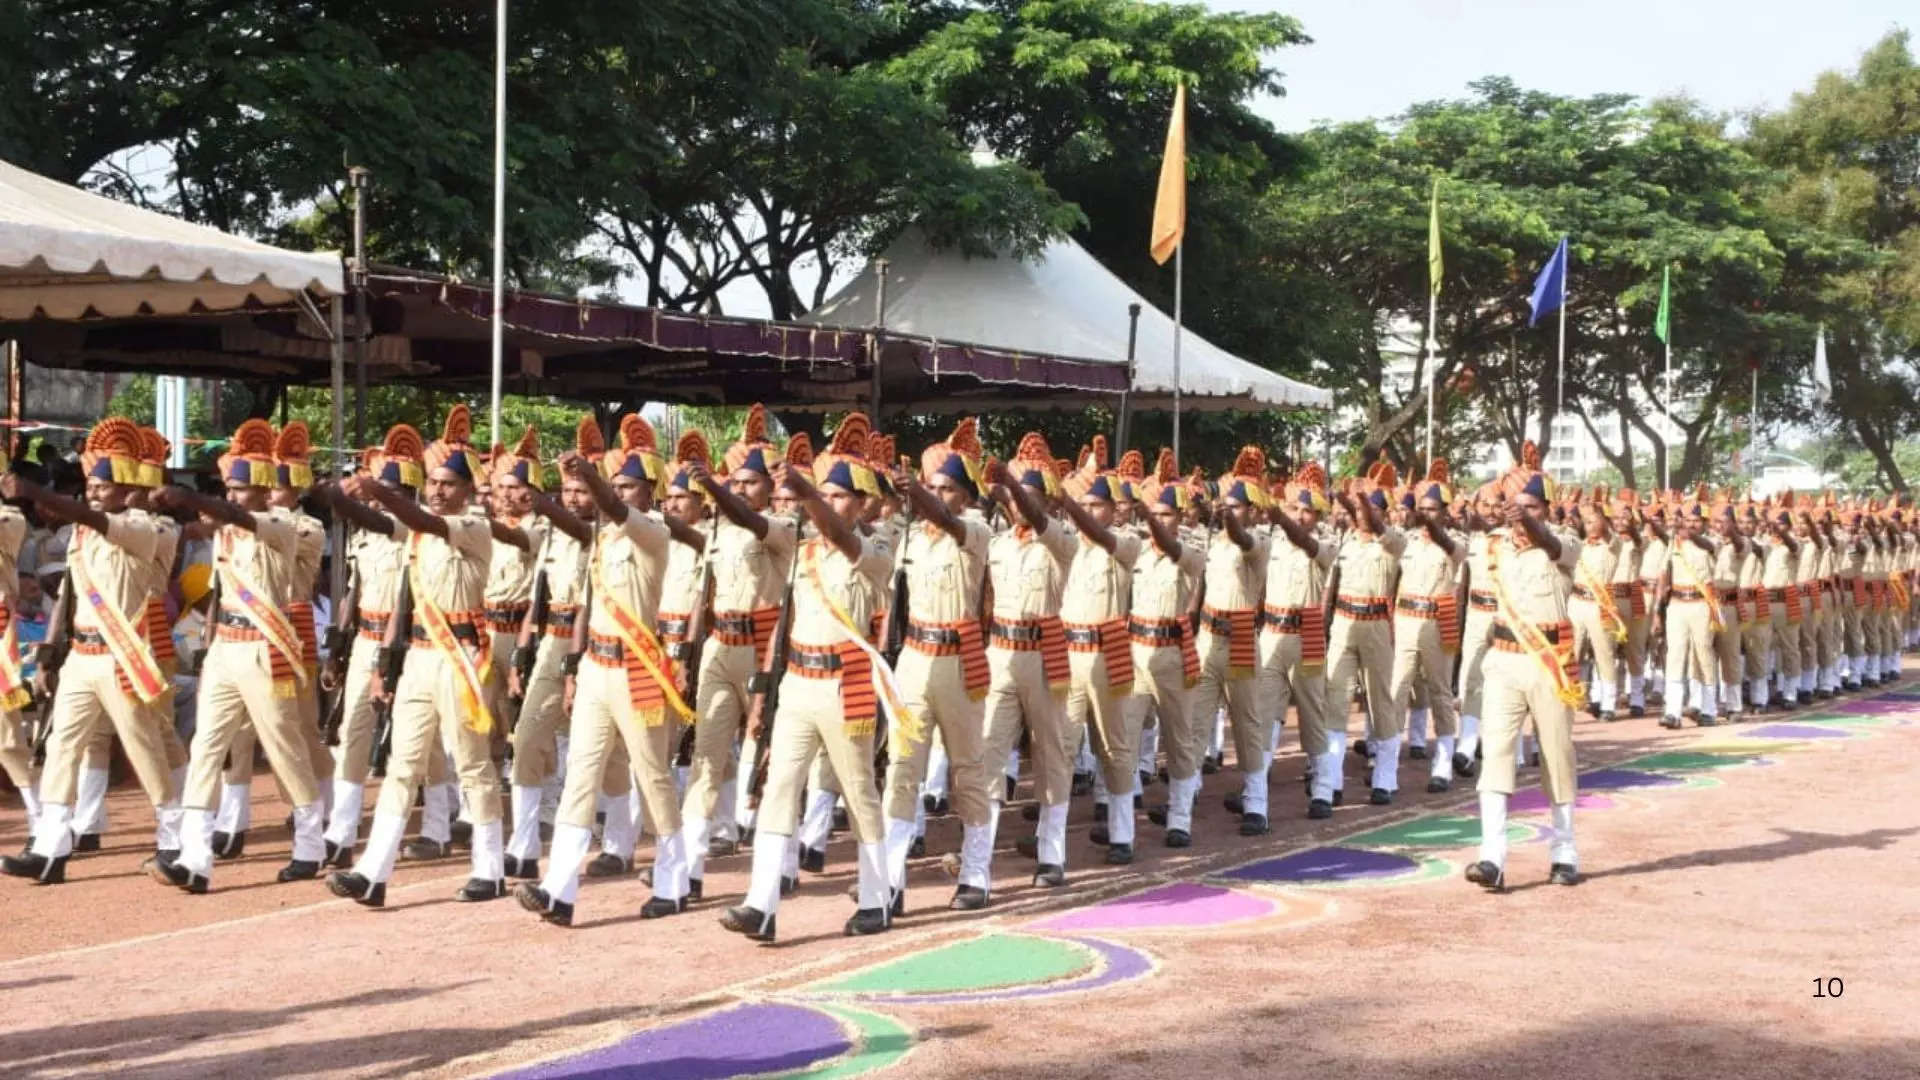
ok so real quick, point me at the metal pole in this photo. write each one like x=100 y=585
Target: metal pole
x=1179 y=274
x=878 y=346
x=1666 y=433
x=358 y=178
x=499 y=200
x=337 y=534
x=1753 y=427
x=1433 y=364
x=1561 y=403
x=1126 y=394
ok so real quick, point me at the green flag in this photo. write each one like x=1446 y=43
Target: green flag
x=1433 y=241
x=1662 y=324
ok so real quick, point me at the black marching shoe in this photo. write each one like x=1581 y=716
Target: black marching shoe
x=462 y=834
x=1178 y=838
x=813 y=860
x=1636 y=711
x=1212 y=763
x=479 y=889
x=1380 y=797
x=1012 y=782
x=867 y=921
x=1464 y=765
x=1417 y=753
x=1254 y=825
x=968 y=898
x=1672 y=723
x=537 y=900
x=696 y=889
x=917 y=849
x=1701 y=719
x=172 y=873
x=607 y=864
x=1049 y=876
x=1439 y=784
x=720 y=847
x=1609 y=716
x=1339 y=796
x=1158 y=815
x=1563 y=874
x=1805 y=699
x=340 y=858
x=1319 y=809
x=660 y=907
x=421 y=849
x=1488 y=876
x=229 y=845
x=355 y=887
x=1098 y=834
x=1082 y=783
x=298 y=870
x=87 y=841
x=1146 y=779
x=840 y=821
x=1030 y=812
x=898 y=908
x=1233 y=803
x=1119 y=854
x=38 y=867
x=523 y=869
x=1028 y=846
x=754 y=923
x=789 y=886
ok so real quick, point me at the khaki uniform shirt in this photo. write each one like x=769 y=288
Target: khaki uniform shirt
x=1369 y=562
x=1098 y=583
x=451 y=572
x=632 y=563
x=1029 y=571
x=858 y=585
x=13 y=533
x=944 y=574
x=1296 y=579
x=1425 y=567
x=750 y=572
x=1162 y=586
x=1236 y=576
x=380 y=561
x=264 y=557
x=510 y=570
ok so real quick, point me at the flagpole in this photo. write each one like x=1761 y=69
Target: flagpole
x=1753 y=426
x=1561 y=402
x=1179 y=271
x=1666 y=460
x=1433 y=364
x=499 y=205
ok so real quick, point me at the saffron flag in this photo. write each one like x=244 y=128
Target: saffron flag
x=1433 y=241
x=1550 y=288
x=1170 y=205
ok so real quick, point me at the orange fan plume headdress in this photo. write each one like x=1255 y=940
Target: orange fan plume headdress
x=521 y=463
x=453 y=450
x=754 y=449
x=249 y=457
x=400 y=459
x=692 y=447
x=1034 y=465
x=291 y=450
x=154 y=448
x=638 y=455
x=1244 y=481
x=844 y=464
x=958 y=458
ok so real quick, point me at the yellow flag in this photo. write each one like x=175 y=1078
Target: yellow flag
x=1433 y=241
x=1170 y=206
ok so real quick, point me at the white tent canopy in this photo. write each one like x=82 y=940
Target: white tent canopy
x=65 y=251
x=1063 y=303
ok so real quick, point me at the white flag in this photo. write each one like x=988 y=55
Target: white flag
x=1822 y=380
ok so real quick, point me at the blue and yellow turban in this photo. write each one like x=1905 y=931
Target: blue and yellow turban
x=453 y=450
x=521 y=463
x=291 y=451
x=844 y=465
x=153 y=457
x=692 y=447
x=638 y=455
x=1033 y=464
x=754 y=450
x=1438 y=486
x=112 y=452
x=958 y=458
x=249 y=457
x=399 y=460
x=1245 y=482
x=1526 y=478
x=1309 y=488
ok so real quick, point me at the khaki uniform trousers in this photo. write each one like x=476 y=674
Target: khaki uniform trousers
x=603 y=719
x=536 y=737
x=1247 y=720
x=1363 y=650
x=1421 y=663
x=1017 y=690
x=238 y=763
x=933 y=689
x=1160 y=684
x=1093 y=708
x=1639 y=629
x=1284 y=680
x=16 y=751
x=1832 y=629
x=1689 y=641
x=1759 y=645
x=1809 y=638
x=1590 y=631
x=1726 y=645
x=352 y=759
x=237 y=691
x=726 y=672
x=89 y=706
x=1786 y=645
x=426 y=713
x=1853 y=640
x=809 y=722
x=1476 y=640
x=1519 y=688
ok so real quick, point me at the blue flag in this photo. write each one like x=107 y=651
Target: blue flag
x=1550 y=288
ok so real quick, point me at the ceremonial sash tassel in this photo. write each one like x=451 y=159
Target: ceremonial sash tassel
x=471 y=669
x=13 y=686
x=1111 y=641
x=1239 y=632
x=907 y=731
x=137 y=673
x=1555 y=658
x=652 y=683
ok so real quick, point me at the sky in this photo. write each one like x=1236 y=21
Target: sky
x=1374 y=57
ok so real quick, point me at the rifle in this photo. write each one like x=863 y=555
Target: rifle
x=526 y=651
x=689 y=658
x=392 y=657
x=764 y=688
x=339 y=643
x=51 y=654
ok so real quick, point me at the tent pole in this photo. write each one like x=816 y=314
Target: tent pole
x=358 y=177
x=1179 y=272
x=337 y=534
x=499 y=201
x=1126 y=394
x=876 y=343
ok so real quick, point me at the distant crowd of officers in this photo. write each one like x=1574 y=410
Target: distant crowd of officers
x=745 y=651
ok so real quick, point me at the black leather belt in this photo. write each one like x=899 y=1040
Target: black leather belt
x=561 y=620
x=606 y=650
x=1161 y=633
x=1583 y=592
x=1360 y=611
x=1687 y=593
x=674 y=627
x=1216 y=624
x=1505 y=633
x=1291 y=621
x=235 y=620
x=463 y=631
x=375 y=626
x=511 y=613
x=1777 y=594
x=814 y=661
x=1418 y=605
x=740 y=625
x=89 y=637
x=1016 y=631
x=1089 y=636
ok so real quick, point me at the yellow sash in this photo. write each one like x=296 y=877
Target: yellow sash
x=1602 y=592
x=130 y=651
x=13 y=686
x=471 y=676
x=1565 y=686
x=1703 y=582
x=272 y=623
x=907 y=730
x=641 y=644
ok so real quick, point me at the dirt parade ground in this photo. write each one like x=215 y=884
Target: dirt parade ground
x=1747 y=912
